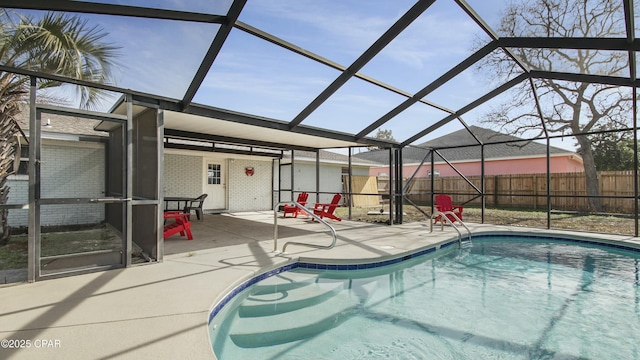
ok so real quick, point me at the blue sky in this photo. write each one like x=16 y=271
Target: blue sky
x=256 y=77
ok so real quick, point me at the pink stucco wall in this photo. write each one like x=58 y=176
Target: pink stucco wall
x=559 y=164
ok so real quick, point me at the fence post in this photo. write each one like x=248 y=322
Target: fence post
x=535 y=192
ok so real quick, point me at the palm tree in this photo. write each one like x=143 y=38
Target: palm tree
x=60 y=44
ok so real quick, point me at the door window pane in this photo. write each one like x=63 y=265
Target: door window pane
x=213 y=174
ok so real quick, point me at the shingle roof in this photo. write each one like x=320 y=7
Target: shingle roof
x=62 y=124
x=522 y=148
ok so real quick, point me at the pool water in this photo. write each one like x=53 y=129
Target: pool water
x=500 y=299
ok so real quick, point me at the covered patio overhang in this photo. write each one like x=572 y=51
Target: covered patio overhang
x=203 y=122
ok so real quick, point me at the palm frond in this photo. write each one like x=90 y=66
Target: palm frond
x=65 y=45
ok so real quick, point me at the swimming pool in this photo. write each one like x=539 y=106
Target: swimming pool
x=503 y=298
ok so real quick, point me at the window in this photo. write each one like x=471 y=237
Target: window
x=213 y=174
x=23 y=169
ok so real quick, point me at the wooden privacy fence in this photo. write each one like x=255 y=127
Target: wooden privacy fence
x=362 y=185
x=529 y=191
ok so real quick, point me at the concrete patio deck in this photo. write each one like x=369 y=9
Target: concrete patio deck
x=160 y=311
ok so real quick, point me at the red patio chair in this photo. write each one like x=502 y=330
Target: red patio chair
x=326 y=210
x=444 y=203
x=294 y=210
x=181 y=224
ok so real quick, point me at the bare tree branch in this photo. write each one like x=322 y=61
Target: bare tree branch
x=567 y=108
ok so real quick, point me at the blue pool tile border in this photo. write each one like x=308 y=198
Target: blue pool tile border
x=316 y=266
x=361 y=266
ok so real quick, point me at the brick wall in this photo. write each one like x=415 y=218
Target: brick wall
x=78 y=170
x=250 y=193
x=69 y=170
x=18 y=194
x=183 y=175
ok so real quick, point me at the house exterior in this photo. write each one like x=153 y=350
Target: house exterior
x=222 y=176
x=75 y=155
x=511 y=155
x=249 y=183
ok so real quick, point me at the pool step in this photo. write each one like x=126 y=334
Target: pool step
x=282 y=328
x=301 y=323
x=281 y=299
x=283 y=282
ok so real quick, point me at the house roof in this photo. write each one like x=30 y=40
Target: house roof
x=500 y=146
x=60 y=124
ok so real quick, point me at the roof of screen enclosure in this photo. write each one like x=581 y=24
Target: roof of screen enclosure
x=342 y=95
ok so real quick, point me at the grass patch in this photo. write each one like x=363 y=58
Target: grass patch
x=612 y=224
x=14 y=254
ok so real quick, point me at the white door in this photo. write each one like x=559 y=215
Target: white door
x=215 y=184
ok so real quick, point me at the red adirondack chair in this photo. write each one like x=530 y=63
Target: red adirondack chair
x=294 y=210
x=444 y=203
x=181 y=224
x=326 y=210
